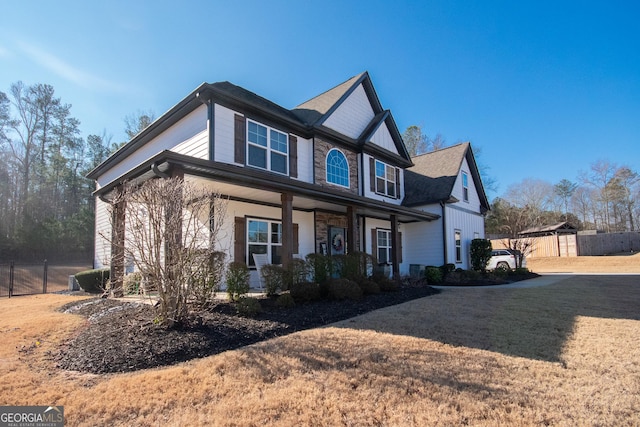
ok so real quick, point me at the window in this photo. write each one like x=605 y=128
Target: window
x=267 y=148
x=384 y=246
x=337 y=168
x=264 y=237
x=458 y=243
x=385 y=179
x=465 y=187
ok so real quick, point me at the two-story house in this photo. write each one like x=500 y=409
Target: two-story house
x=327 y=176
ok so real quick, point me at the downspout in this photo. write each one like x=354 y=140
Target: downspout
x=157 y=172
x=210 y=118
x=444 y=231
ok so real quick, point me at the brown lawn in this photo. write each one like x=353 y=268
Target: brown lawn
x=565 y=354
x=629 y=263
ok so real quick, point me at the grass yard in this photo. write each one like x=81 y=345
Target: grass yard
x=565 y=354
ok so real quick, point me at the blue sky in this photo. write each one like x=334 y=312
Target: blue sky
x=543 y=89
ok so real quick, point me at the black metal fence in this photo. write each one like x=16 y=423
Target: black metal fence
x=23 y=279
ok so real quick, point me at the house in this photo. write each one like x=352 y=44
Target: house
x=447 y=183
x=328 y=176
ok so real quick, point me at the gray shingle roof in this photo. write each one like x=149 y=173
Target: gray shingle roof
x=433 y=175
x=251 y=98
x=315 y=110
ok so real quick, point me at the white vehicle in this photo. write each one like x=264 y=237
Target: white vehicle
x=504 y=259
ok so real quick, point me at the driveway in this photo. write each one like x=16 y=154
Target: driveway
x=543 y=280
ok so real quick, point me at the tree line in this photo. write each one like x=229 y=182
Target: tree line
x=46 y=206
x=603 y=198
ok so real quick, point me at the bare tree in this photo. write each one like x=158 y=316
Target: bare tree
x=172 y=229
x=415 y=140
x=565 y=189
x=137 y=122
x=598 y=177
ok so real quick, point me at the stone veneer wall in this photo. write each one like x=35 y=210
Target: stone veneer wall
x=324 y=220
x=320 y=163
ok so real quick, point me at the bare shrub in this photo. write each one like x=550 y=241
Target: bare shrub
x=172 y=227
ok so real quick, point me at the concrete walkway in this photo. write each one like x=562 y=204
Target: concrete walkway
x=543 y=280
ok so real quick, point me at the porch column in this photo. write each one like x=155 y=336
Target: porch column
x=287 y=228
x=116 y=273
x=173 y=226
x=395 y=247
x=352 y=229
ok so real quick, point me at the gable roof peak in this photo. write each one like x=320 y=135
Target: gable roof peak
x=317 y=109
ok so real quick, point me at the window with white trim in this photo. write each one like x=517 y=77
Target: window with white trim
x=267 y=148
x=458 y=244
x=465 y=187
x=384 y=246
x=385 y=179
x=264 y=237
x=337 y=168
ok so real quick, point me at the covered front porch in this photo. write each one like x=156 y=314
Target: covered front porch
x=276 y=215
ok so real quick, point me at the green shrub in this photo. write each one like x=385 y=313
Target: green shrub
x=285 y=301
x=433 y=274
x=93 y=281
x=368 y=286
x=297 y=271
x=480 y=252
x=520 y=271
x=237 y=280
x=354 y=266
x=273 y=277
x=321 y=267
x=248 y=306
x=305 y=291
x=385 y=283
x=132 y=283
x=446 y=269
x=340 y=289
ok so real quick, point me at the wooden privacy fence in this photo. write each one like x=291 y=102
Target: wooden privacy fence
x=570 y=245
x=609 y=243
x=544 y=246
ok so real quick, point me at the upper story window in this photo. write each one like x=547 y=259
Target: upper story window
x=267 y=148
x=337 y=168
x=385 y=179
x=465 y=186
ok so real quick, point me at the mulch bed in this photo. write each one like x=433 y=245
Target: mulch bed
x=121 y=336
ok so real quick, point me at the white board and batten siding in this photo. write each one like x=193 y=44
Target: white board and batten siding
x=353 y=115
x=188 y=136
x=382 y=137
x=473 y=204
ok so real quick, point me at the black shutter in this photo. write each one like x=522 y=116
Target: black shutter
x=372 y=174
x=397 y=183
x=240 y=139
x=293 y=156
x=374 y=243
x=296 y=243
x=239 y=249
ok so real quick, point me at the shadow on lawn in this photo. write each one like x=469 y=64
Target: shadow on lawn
x=532 y=322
